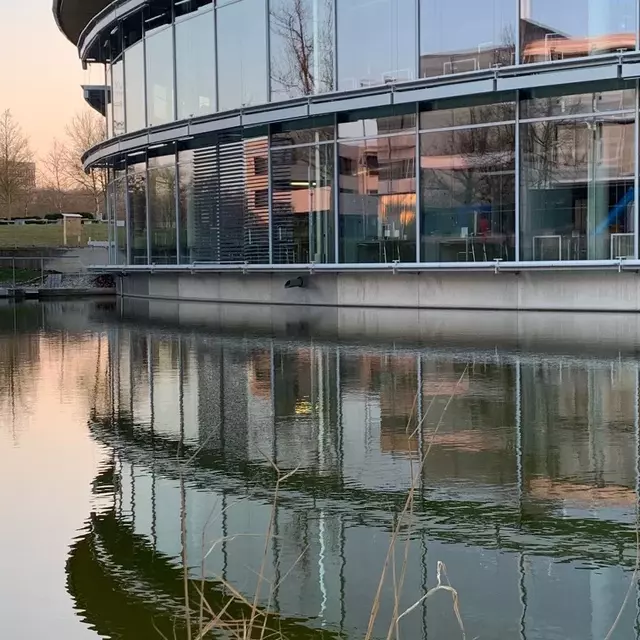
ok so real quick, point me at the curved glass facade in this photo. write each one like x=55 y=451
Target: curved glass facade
x=539 y=175
x=533 y=173
x=188 y=58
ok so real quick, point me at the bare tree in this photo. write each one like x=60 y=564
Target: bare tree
x=85 y=130
x=55 y=176
x=17 y=170
x=473 y=172
x=303 y=31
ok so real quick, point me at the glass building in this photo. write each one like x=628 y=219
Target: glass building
x=300 y=132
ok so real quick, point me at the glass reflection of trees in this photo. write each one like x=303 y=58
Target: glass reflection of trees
x=224 y=46
x=577 y=182
x=575 y=188
x=137 y=193
x=302 y=45
x=117 y=212
x=161 y=185
x=467 y=182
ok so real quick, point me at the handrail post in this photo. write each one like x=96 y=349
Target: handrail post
x=13 y=271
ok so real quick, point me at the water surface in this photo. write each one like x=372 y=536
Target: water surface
x=132 y=448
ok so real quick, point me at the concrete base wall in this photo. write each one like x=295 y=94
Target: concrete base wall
x=538 y=290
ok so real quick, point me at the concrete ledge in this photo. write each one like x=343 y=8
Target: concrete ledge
x=44 y=293
x=75 y=292
x=453 y=333
x=603 y=290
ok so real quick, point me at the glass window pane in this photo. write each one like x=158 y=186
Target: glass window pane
x=160 y=78
x=467 y=194
x=161 y=184
x=254 y=157
x=549 y=101
x=302 y=33
x=195 y=60
x=378 y=199
x=374 y=122
x=189 y=7
x=458 y=36
x=120 y=219
x=461 y=113
x=577 y=189
x=157 y=16
x=117 y=97
x=187 y=241
x=111 y=204
x=242 y=47
x=224 y=209
x=112 y=220
x=131 y=29
x=552 y=30
x=109 y=116
x=137 y=187
x=308 y=131
x=303 y=220
x=134 y=82
x=108 y=83
x=114 y=42
x=376 y=42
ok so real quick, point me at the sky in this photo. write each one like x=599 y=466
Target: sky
x=40 y=73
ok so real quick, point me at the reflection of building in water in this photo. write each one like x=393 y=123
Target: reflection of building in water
x=586 y=419
x=507 y=440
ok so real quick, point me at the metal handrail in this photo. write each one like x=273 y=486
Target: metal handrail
x=40 y=279
x=496 y=266
x=140 y=138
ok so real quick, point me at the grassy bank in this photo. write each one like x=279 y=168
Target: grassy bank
x=50 y=235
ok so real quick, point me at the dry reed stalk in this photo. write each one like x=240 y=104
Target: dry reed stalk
x=256 y=625
x=632 y=582
x=408 y=508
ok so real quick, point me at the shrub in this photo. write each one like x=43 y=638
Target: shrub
x=104 y=281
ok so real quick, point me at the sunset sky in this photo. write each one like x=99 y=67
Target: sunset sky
x=40 y=73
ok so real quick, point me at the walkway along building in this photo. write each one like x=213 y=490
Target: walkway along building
x=369 y=153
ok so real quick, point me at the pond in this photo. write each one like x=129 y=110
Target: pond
x=313 y=473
